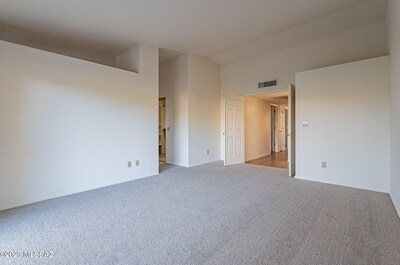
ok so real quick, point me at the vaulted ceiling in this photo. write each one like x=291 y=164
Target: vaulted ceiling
x=220 y=29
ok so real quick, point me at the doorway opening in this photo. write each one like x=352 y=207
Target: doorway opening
x=162 y=137
x=266 y=129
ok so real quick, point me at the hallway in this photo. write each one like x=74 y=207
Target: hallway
x=279 y=160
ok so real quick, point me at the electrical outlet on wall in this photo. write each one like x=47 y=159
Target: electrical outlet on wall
x=324 y=164
x=208 y=151
x=137 y=163
x=129 y=163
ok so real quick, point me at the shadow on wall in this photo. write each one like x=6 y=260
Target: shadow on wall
x=58 y=137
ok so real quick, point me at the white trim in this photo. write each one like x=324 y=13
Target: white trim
x=24 y=203
x=341 y=185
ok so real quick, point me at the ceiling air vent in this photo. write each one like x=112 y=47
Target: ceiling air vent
x=267 y=84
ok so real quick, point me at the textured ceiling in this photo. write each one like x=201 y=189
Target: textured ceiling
x=99 y=30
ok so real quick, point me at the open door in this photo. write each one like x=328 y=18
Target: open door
x=292 y=131
x=281 y=128
x=234 y=130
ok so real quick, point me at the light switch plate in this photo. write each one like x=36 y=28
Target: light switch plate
x=305 y=123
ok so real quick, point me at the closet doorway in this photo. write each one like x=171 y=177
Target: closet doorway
x=162 y=137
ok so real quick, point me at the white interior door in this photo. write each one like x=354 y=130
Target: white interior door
x=292 y=131
x=234 y=130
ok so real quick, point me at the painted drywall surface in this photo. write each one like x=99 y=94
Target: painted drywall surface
x=257 y=128
x=174 y=87
x=360 y=15
x=242 y=78
x=204 y=110
x=129 y=60
x=356 y=44
x=394 y=44
x=68 y=125
x=347 y=107
x=191 y=87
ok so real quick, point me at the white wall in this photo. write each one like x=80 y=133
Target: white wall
x=68 y=125
x=394 y=42
x=347 y=107
x=242 y=78
x=204 y=110
x=191 y=87
x=257 y=128
x=129 y=60
x=174 y=87
x=356 y=44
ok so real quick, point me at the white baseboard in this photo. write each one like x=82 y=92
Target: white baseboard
x=396 y=203
x=348 y=185
x=28 y=202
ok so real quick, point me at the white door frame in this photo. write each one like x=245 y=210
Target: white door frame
x=291 y=127
x=292 y=130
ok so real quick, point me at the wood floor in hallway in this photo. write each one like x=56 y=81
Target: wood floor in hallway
x=279 y=160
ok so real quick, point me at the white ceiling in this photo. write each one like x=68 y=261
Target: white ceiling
x=279 y=98
x=99 y=30
x=347 y=19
